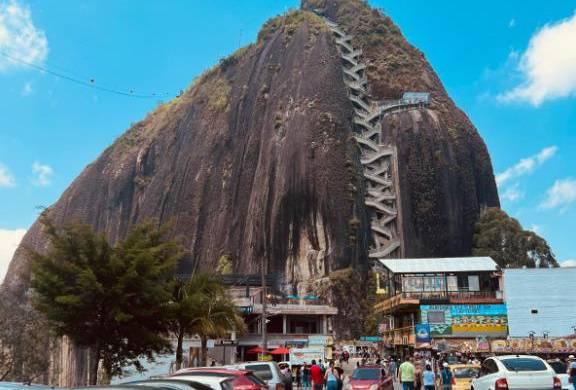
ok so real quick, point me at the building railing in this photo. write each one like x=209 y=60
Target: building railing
x=460 y=294
x=400 y=336
x=418 y=297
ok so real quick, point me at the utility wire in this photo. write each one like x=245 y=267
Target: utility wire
x=90 y=83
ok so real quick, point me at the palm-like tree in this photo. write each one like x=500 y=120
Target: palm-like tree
x=200 y=306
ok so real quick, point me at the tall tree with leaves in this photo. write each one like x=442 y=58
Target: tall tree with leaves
x=110 y=299
x=200 y=307
x=502 y=237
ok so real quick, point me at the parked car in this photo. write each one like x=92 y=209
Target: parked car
x=269 y=372
x=369 y=378
x=463 y=375
x=226 y=378
x=23 y=386
x=170 y=384
x=512 y=372
x=561 y=370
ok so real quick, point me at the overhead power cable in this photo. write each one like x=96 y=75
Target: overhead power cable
x=91 y=82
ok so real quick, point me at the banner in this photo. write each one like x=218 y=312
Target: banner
x=423 y=333
x=300 y=356
x=465 y=320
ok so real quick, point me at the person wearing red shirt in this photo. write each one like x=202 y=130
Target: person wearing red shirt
x=316 y=376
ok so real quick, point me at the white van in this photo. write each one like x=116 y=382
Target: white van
x=267 y=371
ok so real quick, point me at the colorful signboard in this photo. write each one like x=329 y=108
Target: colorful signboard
x=423 y=333
x=300 y=356
x=536 y=345
x=465 y=320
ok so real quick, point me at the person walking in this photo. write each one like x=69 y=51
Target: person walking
x=406 y=371
x=418 y=371
x=429 y=378
x=316 y=376
x=571 y=371
x=306 y=376
x=446 y=377
x=331 y=377
x=393 y=369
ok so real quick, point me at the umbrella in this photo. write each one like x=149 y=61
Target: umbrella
x=293 y=297
x=255 y=350
x=280 y=351
x=311 y=297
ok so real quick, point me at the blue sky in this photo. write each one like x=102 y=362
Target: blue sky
x=507 y=64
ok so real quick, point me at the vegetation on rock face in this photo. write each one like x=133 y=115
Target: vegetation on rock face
x=289 y=23
x=109 y=299
x=502 y=237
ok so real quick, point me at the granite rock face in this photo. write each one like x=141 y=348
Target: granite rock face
x=256 y=160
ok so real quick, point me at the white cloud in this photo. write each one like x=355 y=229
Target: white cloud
x=513 y=193
x=43 y=174
x=568 y=263
x=526 y=165
x=9 y=240
x=19 y=37
x=548 y=66
x=27 y=89
x=562 y=193
x=6 y=178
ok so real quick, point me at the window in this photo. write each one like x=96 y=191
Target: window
x=436 y=317
x=466 y=372
x=366 y=373
x=559 y=367
x=473 y=283
x=263 y=371
x=488 y=367
x=523 y=364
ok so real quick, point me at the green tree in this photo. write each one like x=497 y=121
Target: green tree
x=502 y=237
x=110 y=299
x=201 y=307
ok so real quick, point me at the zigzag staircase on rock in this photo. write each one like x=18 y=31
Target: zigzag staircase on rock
x=379 y=161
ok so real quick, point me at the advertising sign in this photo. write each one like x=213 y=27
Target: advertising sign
x=465 y=320
x=536 y=345
x=300 y=356
x=423 y=333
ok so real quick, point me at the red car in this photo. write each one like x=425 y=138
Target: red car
x=370 y=378
x=231 y=379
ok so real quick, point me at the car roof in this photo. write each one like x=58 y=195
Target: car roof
x=211 y=370
x=462 y=365
x=202 y=379
x=180 y=382
x=502 y=357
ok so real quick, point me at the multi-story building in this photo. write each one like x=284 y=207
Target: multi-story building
x=441 y=303
x=291 y=320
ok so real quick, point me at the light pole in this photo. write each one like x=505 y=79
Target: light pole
x=264 y=306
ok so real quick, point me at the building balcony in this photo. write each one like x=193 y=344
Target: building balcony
x=296 y=308
x=400 y=336
x=410 y=300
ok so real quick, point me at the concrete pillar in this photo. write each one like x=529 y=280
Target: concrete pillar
x=324 y=324
x=284 y=324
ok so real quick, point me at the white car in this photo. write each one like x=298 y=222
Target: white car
x=516 y=372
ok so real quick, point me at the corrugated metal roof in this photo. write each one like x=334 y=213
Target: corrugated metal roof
x=439 y=265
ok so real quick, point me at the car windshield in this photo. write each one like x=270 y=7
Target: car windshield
x=559 y=367
x=465 y=372
x=524 y=364
x=366 y=373
x=263 y=371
